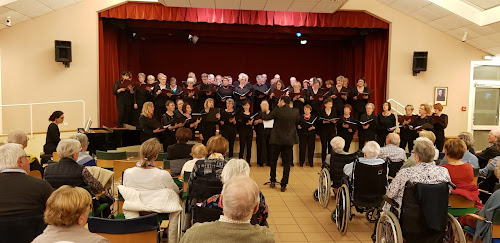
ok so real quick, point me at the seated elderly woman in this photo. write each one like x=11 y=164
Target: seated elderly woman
x=371 y=151
x=83 y=157
x=425 y=171
x=468 y=157
x=66 y=215
x=337 y=160
x=180 y=150
x=199 y=151
x=423 y=134
x=235 y=168
x=149 y=189
x=68 y=172
x=461 y=173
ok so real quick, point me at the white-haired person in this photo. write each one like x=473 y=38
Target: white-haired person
x=242 y=91
x=391 y=150
x=83 y=157
x=190 y=96
x=469 y=157
x=426 y=134
x=336 y=160
x=66 y=215
x=20 y=137
x=21 y=193
x=198 y=152
x=240 y=198
x=159 y=98
x=425 y=171
x=371 y=151
x=150 y=189
x=491 y=151
x=234 y=168
x=68 y=172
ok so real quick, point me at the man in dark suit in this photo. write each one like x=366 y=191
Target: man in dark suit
x=283 y=137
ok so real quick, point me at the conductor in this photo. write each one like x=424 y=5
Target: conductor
x=283 y=137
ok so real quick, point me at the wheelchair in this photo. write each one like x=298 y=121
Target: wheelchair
x=424 y=217
x=363 y=192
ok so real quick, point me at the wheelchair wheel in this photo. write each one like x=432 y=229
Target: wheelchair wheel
x=388 y=229
x=342 y=213
x=372 y=215
x=454 y=232
x=324 y=185
x=315 y=195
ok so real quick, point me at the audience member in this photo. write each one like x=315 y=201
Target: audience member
x=492 y=151
x=240 y=199
x=235 y=168
x=21 y=193
x=337 y=160
x=392 y=150
x=199 y=151
x=425 y=171
x=68 y=172
x=66 y=215
x=371 y=151
x=180 y=150
x=20 y=137
x=147 y=188
x=411 y=161
x=83 y=157
x=468 y=157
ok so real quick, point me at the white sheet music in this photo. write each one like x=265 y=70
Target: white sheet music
x=268 y=123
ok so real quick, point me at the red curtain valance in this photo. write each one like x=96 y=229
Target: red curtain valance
x=149 y=11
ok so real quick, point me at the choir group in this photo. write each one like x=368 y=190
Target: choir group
x=327 y=109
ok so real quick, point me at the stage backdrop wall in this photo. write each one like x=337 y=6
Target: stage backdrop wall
x=118 y=51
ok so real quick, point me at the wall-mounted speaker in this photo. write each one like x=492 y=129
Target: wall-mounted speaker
x=63 y=52
x=419 y=62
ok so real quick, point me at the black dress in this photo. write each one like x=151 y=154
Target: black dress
x=307 y=139
x=245 y=132
x=407 y=137
x=326 y=132
x=207 y=126
x=359 y=104
x=242 y=94
x=168 y=134
x=439 y=127
x=141 y=96
x=384 y=123
x=202 y=96
x=223 y=93
x=339 y=102
x=344 y=132
x=159 y=101
x=370 y=133
x=228 y=129
x=52 y=139
x=147 y=126
x=124 y=104
x=260 y=140
x=316 y=104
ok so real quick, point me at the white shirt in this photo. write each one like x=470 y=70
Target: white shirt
x=148 y=179
x=189 y=165
x=13 y=170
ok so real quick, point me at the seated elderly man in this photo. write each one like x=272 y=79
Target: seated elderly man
x=20 y=137
x=371 y=151
x=468 y=157
x=83 y=157
x=492 y=151
x=68 y=172
x=392 y=150
x=240 y=199
x=21 y=193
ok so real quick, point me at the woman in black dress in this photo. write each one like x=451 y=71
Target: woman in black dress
x=367 y=129
x=170 y=124
x=307 y=136
x=150 y=127
x=386 y=123
x=224 y=92
x=340 y=96
x=190 y=96
x=175 y=90
x=407 y=135
x=242 y=91
x=423 y=121
x=53 y=135
x=142 y=94
x=346 y=127
x=159 y=95
x=279 y=85
x=297 y=98
x=327 y=125
x=315 y=97
x=359 y=103
x=208 y=125
x=440 y=123
x=244 y=123
x=188 y=119
x=228 y=128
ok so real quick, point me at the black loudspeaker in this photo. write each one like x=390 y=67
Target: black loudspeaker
x=419 y=62
x=63 y=52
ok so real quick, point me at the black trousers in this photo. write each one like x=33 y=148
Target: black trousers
x=348 y=139
x=168 y=139
x=381 y=135
x=246 y=136
x=207 y=134
x=306 y=143
x=230 y=135
x=124 y=113
x=406 y=139
x=286 y=157
x=326 y=135
x=439 y=140
x=263 y=150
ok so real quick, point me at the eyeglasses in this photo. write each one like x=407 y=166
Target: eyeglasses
x=25 y=156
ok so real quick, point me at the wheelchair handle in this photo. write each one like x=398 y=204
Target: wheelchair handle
x=390 y=201
x=452 y=185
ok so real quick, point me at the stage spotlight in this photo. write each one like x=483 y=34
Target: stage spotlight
x=299 y=34
x=303 y=42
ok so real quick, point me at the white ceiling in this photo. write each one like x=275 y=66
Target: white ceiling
x=22 y=10
x=484 y=4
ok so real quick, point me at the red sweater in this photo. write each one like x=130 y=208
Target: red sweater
x=460 y=173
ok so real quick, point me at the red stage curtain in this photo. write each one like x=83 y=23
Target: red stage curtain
x=376 y=59
x=149 y=11
x=109 y=72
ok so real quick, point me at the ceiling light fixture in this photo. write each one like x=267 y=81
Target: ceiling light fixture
x=303 y=42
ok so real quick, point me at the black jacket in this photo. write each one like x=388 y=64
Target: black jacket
x=285 y=120
x=179 y=151
x=65 y=172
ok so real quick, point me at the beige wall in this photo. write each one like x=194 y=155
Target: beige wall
x=29 y=73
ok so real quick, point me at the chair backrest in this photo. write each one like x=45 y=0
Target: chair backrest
x=394 y=167
x=185 y=183
x=35 y=173
x=111 y=155
x=476 y=176
x=458 y=201
x=369 y=184
x=119 y=166
x=107 y=164
x=55 y=156
x=161 y=156
x=21 y=229
x=176 y=166
x=337 y=163
x=141 y=229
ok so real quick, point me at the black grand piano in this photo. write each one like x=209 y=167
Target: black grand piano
x=111 y=138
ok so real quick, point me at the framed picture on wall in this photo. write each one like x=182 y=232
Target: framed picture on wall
x=441 y=95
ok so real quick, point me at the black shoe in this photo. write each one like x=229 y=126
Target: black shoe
x=292 y=165
x=272 y=185
x=301 y=165
x=283 y=188
x=261 y=165
x=311 y=165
